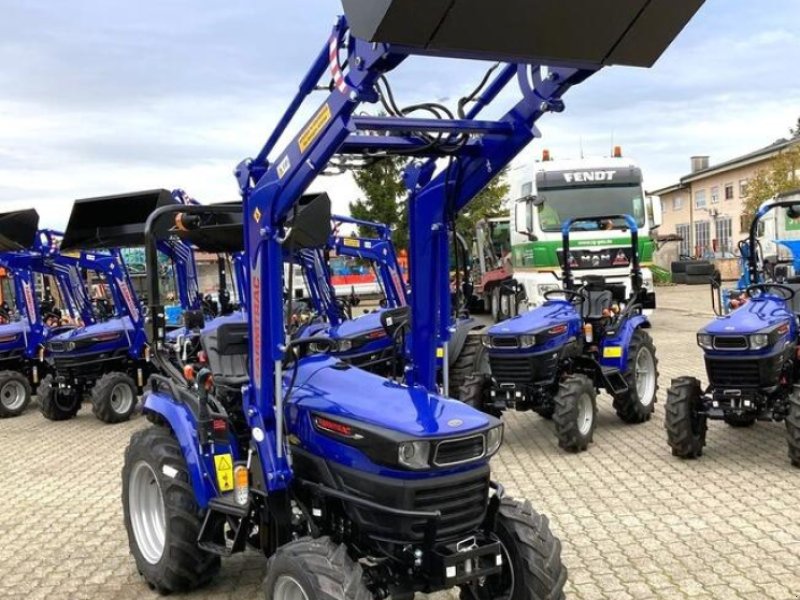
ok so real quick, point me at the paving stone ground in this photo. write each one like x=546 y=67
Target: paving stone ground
x=635 y=522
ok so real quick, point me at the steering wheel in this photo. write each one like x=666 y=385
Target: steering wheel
x=786 y=293
x=571 y=294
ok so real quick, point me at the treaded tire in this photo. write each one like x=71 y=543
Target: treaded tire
x=102 y=405
x=740 y=421
x=52 y=404
x=533 y=552
x=686 y=430
x=630 y=407
x=465 y=365
x=473 y=393
x=678 y=266
x=793 y=429
x=11 y=383
x=183 y=565
x=679 y=278
x=571 y=392
x=546 y=412
x=495 y=304
x=698 y=279
x=699 y=267
x=320 y=567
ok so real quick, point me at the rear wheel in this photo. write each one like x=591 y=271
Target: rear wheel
x=495 y=302
x=15 y=394
x=686 y=428
x=575 y=413
x=638 y=404
x=532 y=558
x=114 y=397
x=56 y=404
x=161 y=515
x=473 y=393
x=546 y=411
x=314 y=569
x=793 y=429
x=466 y=364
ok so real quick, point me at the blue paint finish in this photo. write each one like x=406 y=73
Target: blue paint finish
x=622 y=339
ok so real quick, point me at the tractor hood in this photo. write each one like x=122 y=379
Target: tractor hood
x=235 y=317
x=12 y=334
x=539 y=319
x=107 y=328
x=757 y=315
x=358 y=326
x=327 y=386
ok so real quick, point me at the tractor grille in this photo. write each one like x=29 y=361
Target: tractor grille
x=453 y=452
x=57 y=346
x=730 y=342
x=462 y=505
x=750 y=373
x=499 y=341
x=524 y=370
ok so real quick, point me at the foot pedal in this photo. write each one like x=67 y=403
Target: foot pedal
x=615 y=382
x=213 y=538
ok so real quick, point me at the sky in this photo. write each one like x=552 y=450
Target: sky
x=102 y=96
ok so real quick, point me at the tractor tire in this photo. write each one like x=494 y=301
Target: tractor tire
x=679 y=278
x=317 y=569
x=114 y=397
x=575 y=413
x=533 y=569
x=546 y=412
x=473 y=393
x=740 y=421
x=637 y=405
x=53 y=405
x=698 y=279
x=678 y=266
x=700 y=267
x=466 y=364
x=495 y=304
x=15 y=394
x=165 y=549
x=793 y=429
x=686 y=430
x=507 y=306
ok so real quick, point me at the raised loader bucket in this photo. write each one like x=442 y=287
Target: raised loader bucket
x=555 y=32
x=217 y=232
x=112 y=221
x=18 y=230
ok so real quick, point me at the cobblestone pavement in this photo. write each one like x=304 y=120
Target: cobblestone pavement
x=635 y=522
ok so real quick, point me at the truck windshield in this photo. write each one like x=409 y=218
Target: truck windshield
x=561 y=204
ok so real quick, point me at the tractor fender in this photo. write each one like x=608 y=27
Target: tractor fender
x=183 y=424
x=459 y=338
x=614 y=347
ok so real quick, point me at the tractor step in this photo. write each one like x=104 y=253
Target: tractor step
x=212 y=538
x=615 y=383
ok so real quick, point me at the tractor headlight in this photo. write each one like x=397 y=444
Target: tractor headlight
x=759 y=341
x=414 y=455
x=494 y=438
x=345 y=345
x=486 y=341
x=705 y=341
x=527 y=341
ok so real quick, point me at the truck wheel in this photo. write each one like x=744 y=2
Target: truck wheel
x=686 y=429
x=54 y=404
x=495 y=301
x=114 y=398
x=575 y=413
x=465 y=365
x=314 y=569
x=473 y=393
x=641 y=375
x=793 y=429
x=735 y=420
x=532 y=563
x=161 y=515
x=15 y=394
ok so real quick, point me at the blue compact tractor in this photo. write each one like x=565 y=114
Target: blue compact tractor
x=554 y=358
x=751 y=358
x=354 y=486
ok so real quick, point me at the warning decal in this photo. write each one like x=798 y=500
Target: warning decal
x=612 y=352
x=314 y=128
x=351 y=243
x=224 y=466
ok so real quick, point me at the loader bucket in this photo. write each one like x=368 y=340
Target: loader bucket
x=219 y=232
x=18 y=230
x=554 y=32
x=310 y=224
x=112 y=221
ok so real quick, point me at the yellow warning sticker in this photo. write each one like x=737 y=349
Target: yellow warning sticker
x=257 y=215
x=314 y=128
x=440 y=353
x=612 y=352
x=351 y=243
x=224 y=466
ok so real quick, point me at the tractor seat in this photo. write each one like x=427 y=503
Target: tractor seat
x=596 y=302
x=228 y=350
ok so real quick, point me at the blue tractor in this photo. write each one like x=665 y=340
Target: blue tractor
x=751 y=357
x=47 y=294
x=357 y=487
x=584 y=338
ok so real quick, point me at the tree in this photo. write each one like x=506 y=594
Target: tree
x=796 y=131
x=384 y=197
x=782 y=175
x=487 y=204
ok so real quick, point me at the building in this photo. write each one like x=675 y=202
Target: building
x=705 y=207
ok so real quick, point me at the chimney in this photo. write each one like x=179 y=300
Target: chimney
x=699 y=163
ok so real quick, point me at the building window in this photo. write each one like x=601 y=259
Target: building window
x=743 y=188
x=683 y=232
x=677 y=203
x=700 y=199
x=724 y=235
x=715 y=195
x=702 y=238
x=728 y=191
x=527 y=189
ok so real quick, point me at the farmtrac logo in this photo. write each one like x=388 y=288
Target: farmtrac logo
x=589 y=176
x=126 y=294
x=29 y=303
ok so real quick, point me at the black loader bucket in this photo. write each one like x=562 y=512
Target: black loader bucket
x=216 y=232
x=112 y=221
x=553 y=32
x=18 y=230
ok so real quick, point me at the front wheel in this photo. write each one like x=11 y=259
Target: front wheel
x=56 y=404
x=686 y=427
x=114 y=397
x=532 y=558
x=473 y=393
x=575 y=414
x=314 y=569
x=161 y=515
x=15 y=394
x=638 y=404
x=793 y=429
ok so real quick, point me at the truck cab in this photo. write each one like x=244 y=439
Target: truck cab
x=557 y=190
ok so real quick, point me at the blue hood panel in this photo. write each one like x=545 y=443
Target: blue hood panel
x=358 y=326
x=541 y=318
x=236 y=317
x=110 y=326
x=759 y=313
x=355 y=394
